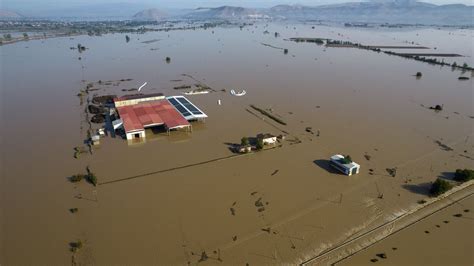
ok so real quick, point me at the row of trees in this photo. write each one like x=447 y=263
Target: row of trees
x=441 y=186
x=8 y=36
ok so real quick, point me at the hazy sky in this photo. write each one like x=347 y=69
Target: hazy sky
x=47 y=4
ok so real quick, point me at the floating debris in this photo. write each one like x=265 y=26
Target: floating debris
x=98 y=118
x=392 y=171
x=437 y=107
x=94 y=109
x=104 y=99
x=443 y=146
x=259 y=203
x=204 y=257
x=183 y=87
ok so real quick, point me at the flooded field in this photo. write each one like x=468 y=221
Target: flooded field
x=183 y=198
x=415 y=245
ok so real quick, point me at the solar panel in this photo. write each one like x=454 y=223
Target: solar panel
x=189 y=106
x=178 y=106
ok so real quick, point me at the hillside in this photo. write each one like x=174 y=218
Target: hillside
x=226 y=12
x=379 y=11
x=151 y=14
x=7 y=14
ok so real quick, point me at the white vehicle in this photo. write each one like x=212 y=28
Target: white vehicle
x=337 y=162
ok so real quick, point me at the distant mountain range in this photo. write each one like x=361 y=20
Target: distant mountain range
x=151 y=14
x=374 y=11
x=6 y=14
x=227 y=12
x=380 y=11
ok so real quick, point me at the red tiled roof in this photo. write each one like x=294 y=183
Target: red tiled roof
x=145 y=114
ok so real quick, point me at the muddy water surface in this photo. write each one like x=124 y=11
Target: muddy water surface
x=363 y=103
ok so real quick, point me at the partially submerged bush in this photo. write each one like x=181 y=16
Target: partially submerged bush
x=260 y=144
x=91 y=178
x=422 y=201
x=75 y=246
x=463 y=175
x=76 y=178
x=439 y=187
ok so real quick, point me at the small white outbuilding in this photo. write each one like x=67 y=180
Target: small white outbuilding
x=338 y=162
x=267 y=139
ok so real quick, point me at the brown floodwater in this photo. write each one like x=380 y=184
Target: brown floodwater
x=363 y=103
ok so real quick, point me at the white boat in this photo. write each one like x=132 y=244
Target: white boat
x=242 y=93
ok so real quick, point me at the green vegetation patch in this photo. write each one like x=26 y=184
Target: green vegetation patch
x=346 y=160
x=439 y=187
x=463 y=175
x=75 y=246
x=76 y=178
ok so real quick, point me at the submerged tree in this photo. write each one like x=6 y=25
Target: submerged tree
x=260 y=144
x=285 y=51
x=127 y=38
x=439 y=187
x=463 y=175
x=25 y=35
x=168 y=60
x=75 y=246
x=80 y=48
x=244 y=141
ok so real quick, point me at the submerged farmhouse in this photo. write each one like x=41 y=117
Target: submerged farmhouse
x=139 y=112
x=267 y=138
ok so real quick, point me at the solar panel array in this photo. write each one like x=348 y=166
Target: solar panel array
x=178 y=106
x=189 y=106
x=186 y=108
